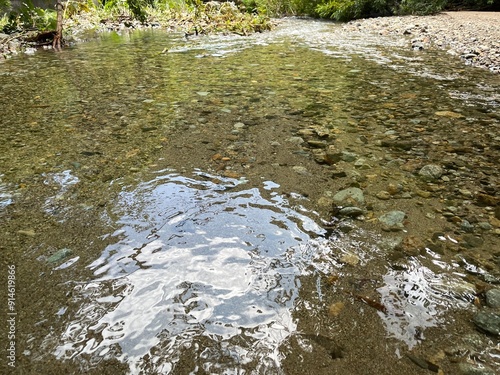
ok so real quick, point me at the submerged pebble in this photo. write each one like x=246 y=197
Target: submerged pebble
x=59 y=255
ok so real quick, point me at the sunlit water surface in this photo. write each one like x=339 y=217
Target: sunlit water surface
x=200 y=264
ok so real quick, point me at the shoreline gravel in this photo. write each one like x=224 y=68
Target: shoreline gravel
x=472 y=36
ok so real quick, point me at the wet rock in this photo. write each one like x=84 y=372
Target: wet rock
x=485 y=226
x=390 y=243
x=487 y=321
x=487 y=200
x=403 y=145
x=339 y=174
x=361 y=164
x=351 y=211
x=59 y=255
x=392 y=221
x=350 y=259
x=394 y=189
x=423 y=193
x=27 y=232
x=383 y=195
x=472 y=241
x=318 y=155
x=449 y=114
x=348 y=156
x=296 y=140
x=466 y=193
x=325 y=202
x=470 y=369
x=495 y=222
x=430 y=172
x=316 y=144
x=332 y=155
x=466 y=226
x=493 y=298
x=350 y=196
x=300 y=170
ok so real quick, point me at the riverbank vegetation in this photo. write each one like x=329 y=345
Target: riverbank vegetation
x=202 y=16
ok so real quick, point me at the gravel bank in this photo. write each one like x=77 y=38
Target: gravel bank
x=473 y=36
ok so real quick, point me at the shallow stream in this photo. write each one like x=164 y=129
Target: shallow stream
x=304 y=201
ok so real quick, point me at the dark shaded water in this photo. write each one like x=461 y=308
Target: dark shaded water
x=163 y=213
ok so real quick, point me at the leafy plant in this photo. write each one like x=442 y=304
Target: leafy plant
x=421 y=7
x=4 y=5
x=31 y=17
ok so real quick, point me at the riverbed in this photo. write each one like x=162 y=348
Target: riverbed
x=291 y=202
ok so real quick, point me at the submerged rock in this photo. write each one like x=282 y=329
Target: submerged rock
x=351 y=211
x=393 y=220
x=59 y=255
x=430 y=172
x=488 y=321
x=350 y=196
x=493 y=298
x=470 y=369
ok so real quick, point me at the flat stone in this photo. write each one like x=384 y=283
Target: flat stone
x=430 y=172
x=349 y=196
x=472 y=241
x=300 y=170
x=316 y=144
x=348 y=156
x=449 y=114
x=493 y=298
x=351 y=211
x=383 y=195
x=59 y=255
x=390 y=244
x=470 y=369
x=488 y=321
x=423 y=193
x=393 y=220
x=295 y=140
x=27 y=232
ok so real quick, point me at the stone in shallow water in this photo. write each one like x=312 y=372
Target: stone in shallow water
x=493 y=298
x=300 y=170
x=349 y=196
x=488 y=321
x=470 y=369
x=392 y=220
x=348 y=156
x=351 y=211
x=430 y=172
x=449 y=114
x=59 y=255
x=383 y=195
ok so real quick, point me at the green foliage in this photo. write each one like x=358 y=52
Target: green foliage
x=421 y=7
x=31 y=17
x=4 y=5
x=345 y=10
x=473 y=4
x=138 y=8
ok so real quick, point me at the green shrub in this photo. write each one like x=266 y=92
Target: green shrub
x=421 y=7
x=345 y=10
x=4 y=6
x=29 y=16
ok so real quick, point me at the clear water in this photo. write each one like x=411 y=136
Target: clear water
x=181 y=265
